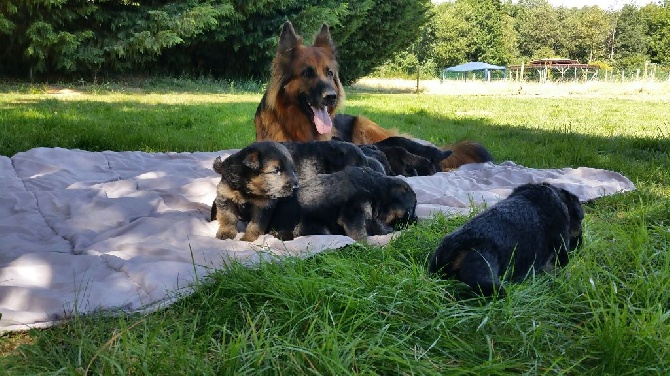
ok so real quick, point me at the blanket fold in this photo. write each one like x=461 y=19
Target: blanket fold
x=87 y=231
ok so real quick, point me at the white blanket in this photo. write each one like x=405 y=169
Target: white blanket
x=87 y=231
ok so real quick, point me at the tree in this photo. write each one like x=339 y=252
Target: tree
x=657 y=20
x=472 y=30
x=628 y=41
x=224 y=38
x=588 y=29
x=451 y=34
x=387 y=27
x=539 y=28
x=65 y=37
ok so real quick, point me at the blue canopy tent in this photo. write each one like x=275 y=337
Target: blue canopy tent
x=475 y=66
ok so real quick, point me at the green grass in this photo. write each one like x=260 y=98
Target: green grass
x=371 y=310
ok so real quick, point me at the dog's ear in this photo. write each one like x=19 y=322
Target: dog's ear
x=323 y=39
x=288 y=39
x=218 y=165
x=252 y=160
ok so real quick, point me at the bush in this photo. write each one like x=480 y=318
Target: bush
x=222 y=38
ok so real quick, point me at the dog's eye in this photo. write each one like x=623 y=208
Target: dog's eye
x=275 y=171
x=330 y=73
x=309 y=72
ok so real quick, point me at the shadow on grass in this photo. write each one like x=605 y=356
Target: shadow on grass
x=131 y=125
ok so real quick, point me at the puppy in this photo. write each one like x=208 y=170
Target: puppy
x=357 y=202
x=377 y=159
x=436 y=156
x=532 y=229
x=251 y=182
x=310 y=159
x=404 y=163
x=324 y=157
x=402 y=156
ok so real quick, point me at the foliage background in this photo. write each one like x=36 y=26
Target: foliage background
x=234 y=39
x=223 y=38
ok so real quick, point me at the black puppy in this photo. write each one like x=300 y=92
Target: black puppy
x=251 y=182
x=532 y=229
x=429 y=152
x=324 y=157
x=357 y=202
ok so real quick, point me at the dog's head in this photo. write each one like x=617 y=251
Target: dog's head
x=376 y=159
x=563 y=205
x=338 y=155
x=576 y=216
x=307 y=76
x=398 y=206
x=262 y=169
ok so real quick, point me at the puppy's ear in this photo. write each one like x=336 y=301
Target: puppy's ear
x=288 y=38
x=446 y=153
x=252 y=160
x=218 y=165
x=323 y=39
x=572 y=202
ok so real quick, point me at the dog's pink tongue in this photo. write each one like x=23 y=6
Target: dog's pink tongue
x=322 y=120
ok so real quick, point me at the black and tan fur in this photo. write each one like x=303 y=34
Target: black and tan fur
x=531 y=230
x=305 y=91
x=357 y=202
x=311 y=159
x=252 y=180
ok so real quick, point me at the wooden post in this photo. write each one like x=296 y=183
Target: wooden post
x=418 y=71
x=646 y=64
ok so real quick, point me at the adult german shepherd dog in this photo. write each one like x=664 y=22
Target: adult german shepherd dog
x=305 y=91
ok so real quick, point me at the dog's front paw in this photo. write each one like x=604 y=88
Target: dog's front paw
x=252 y=232
x=249 y=237
x=225 y=233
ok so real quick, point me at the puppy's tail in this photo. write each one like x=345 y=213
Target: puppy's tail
x=446 y=259
x=464 y=152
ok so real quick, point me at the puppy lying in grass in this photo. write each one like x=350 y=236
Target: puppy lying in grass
x=357 y=202
x=531 y=230
x=251 y=182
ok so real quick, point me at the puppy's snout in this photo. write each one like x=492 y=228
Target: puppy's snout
x=295 y=181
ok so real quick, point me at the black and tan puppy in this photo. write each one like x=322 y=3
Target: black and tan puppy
x=531 y=230
x=324 y=157
x=310 y=159
x=377 y=159
x=402 y=156
x=251 y=182
x=436 y=156
x=357 y=202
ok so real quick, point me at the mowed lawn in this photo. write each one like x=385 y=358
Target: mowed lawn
x=372 y=310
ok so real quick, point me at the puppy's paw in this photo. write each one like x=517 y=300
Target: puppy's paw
x=252 y=233
x=226 y=233
x=249 y=237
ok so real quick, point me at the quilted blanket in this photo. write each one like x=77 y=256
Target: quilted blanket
x=128 y=231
